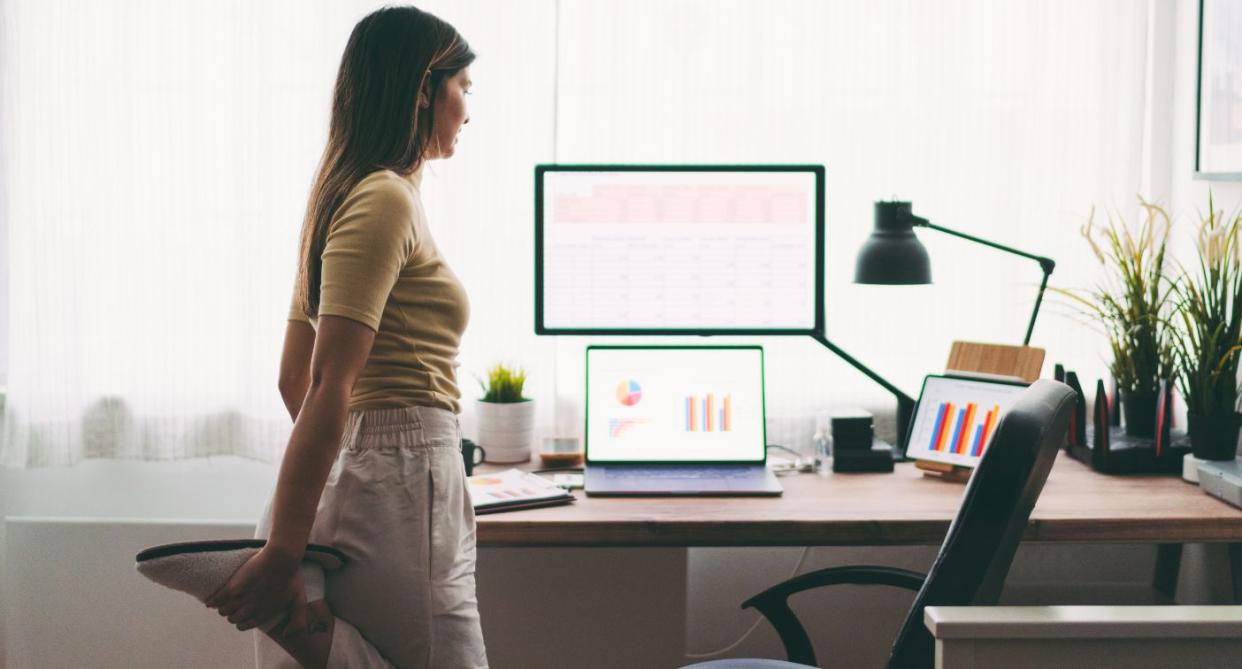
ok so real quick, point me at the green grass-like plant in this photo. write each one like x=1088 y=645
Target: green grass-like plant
x=1209 y=308
x=1133 y=303
x=504 y=385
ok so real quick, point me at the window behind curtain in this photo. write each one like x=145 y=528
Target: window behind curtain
x=157 y=156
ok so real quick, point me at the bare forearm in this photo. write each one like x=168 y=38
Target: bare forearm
x=295 y=363
x=294 y=393
x=304 y=469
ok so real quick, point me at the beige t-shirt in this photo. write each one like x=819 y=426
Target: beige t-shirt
x=382 y=268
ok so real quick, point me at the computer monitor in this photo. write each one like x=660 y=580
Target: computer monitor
x=684 y=249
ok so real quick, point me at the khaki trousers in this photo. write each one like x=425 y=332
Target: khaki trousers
x=396 y=504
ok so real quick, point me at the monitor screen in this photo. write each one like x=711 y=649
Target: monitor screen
x=957 y=417
x=674 y=404
x=687 y=249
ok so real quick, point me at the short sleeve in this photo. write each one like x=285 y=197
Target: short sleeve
x=295 y=309
x=371 y=238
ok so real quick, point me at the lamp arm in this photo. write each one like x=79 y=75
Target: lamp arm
x=1038 y=300
x=1046 y=264
x=905 y=403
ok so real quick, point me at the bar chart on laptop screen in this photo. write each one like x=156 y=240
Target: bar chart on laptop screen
x=679 y=250
x=675 y=405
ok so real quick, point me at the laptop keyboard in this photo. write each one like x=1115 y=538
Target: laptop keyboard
x=682 y=473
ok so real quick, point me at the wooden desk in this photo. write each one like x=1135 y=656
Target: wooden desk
x=648 y=588
x=1077 y=505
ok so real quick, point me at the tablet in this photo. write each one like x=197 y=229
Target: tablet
x=956 y=417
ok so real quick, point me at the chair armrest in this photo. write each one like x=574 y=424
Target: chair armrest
x=773 y=603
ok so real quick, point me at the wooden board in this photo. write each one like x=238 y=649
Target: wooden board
x=905 y=507
x=1024 y=362
x=956 y=473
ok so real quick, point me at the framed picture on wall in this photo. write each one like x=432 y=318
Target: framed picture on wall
x=1218 y=141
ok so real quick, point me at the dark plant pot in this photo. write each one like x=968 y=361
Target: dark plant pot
x=1214 y=437
x=1139 y=409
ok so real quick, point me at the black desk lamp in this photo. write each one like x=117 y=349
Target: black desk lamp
x=893 y=255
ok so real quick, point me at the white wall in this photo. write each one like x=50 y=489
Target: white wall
x=227 y=490
x=76 y=601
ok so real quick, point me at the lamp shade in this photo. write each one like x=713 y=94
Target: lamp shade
x=893 y=255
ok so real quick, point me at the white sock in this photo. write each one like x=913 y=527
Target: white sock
x=313 y=580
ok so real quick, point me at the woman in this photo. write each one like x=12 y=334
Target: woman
x=373 y=467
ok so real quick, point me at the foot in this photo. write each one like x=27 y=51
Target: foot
x=310 y=647
x=197 y=573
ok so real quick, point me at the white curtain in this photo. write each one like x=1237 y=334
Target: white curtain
x=156 y=158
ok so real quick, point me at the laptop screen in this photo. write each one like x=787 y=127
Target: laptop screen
x=957 y=417
x=674 y=404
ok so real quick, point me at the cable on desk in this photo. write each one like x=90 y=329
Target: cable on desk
x=800 y=464
x=806 y=551
x=559 y=470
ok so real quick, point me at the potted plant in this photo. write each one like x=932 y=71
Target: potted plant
x=1133 y=304
x=1209 y=307
x=506 y=419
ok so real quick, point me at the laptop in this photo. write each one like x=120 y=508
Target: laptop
x=676 y=420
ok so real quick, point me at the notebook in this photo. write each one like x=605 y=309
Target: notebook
x=513 y=489
x=676 y=420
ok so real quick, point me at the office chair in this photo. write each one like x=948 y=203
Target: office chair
x=975 y=556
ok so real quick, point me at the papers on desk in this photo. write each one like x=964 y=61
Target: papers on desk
x=513 y=489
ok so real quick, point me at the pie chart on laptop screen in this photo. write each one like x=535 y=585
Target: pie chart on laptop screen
x=629 y=392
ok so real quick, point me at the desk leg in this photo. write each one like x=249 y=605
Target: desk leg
x=1168 y=565
x=1235 y=571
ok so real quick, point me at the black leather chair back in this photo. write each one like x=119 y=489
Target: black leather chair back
x=982 y=540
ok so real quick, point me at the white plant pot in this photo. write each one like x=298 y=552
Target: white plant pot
x=506 y=431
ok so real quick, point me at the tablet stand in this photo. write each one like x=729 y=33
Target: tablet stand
x=985 y=360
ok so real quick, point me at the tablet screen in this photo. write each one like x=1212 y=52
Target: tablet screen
x=957 y=417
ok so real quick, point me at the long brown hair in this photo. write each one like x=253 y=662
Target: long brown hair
x=392 y=54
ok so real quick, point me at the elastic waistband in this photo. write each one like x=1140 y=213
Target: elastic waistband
x=422 y=423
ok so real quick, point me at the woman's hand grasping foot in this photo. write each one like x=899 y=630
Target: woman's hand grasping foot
x=266 y=586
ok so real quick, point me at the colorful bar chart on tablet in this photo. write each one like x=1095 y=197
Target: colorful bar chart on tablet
x=957 y=418
x=970 y=430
